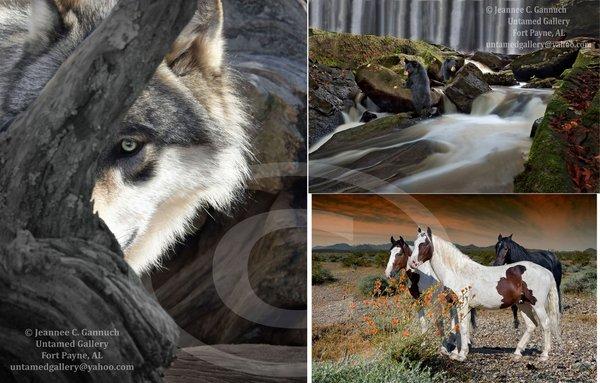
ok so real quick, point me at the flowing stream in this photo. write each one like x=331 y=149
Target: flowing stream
x=478 y=152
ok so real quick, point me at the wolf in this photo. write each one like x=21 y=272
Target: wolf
x=182 y=146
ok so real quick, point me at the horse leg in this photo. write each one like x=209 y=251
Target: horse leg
x=545 y=323
x=530 y=325
x=422 y=321
x=464 y=317
x=515 y=316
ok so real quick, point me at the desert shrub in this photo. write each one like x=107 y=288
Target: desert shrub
x=582 y=281
x=414 y=346
x=582 y=258
x=374 y=370
x=356 y=260
x=373 y=285
x=320 y=274
x=381 y=259
x=484 y=257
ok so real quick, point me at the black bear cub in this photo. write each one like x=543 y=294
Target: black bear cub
x=449 y=68
x=418 y=83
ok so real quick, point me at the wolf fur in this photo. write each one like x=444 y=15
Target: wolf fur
x=186 y=135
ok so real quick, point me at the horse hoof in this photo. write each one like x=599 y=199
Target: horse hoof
x=457 y=357
x=444 y=351
x=543 y=358
x=517 y=356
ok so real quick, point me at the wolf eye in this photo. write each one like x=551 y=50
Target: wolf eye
x=129 y=146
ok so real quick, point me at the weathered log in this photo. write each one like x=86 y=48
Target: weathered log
x=248 y=363
x=60 y=268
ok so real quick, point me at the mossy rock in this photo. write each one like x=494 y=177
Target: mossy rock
x=546 y=169
x=385 y=87
x=343 y=140
x=540 y=83
x=503 y=78
x=543 y=63
x=348 y=51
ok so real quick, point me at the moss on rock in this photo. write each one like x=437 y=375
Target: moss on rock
x=348 y=51
x=567 y=138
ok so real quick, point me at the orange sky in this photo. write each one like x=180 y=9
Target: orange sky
x=556 y=222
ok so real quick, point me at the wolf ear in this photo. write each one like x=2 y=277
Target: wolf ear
x=48 y=20
x=200 y=46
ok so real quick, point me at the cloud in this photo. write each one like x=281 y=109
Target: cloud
x=537 y=221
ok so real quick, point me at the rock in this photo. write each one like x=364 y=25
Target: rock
x=535 y=126
x=561 y=159
x=349 y=51
x=360 y=136
x=543 y=63
x=331 y=91
x=503 y=78
x=387 y=89
x=541 y=83
x=466 y=86
x=584 y=19
x=494 y=61
x=368 y=116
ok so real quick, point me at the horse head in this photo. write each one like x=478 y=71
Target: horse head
x=423 y=248
x=502 y=250
x=399 y=254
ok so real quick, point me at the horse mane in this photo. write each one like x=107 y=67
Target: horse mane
x=520 y=250
x=459 y=259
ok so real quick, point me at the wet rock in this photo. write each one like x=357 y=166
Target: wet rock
x=494 y=61
x=467 y=85
x=541 y=83
x=503 y=78
x=535 y=126
x=387 y=89
x=361 y=136
x=331 y=91
x=368 y=116
x=543 y=63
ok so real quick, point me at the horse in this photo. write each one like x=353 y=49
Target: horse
x=508 y=251
x=528 y=285
x=420 y=280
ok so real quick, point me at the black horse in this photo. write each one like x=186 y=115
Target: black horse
x=508 y=251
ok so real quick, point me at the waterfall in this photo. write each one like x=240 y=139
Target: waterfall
x=461 y=24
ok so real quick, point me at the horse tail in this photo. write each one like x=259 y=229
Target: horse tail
x=553 y=309
x=558 y=278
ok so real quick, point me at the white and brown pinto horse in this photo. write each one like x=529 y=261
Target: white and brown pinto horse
x=421 y=280
x=528 y=285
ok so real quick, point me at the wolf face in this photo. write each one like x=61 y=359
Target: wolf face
x=181 y=147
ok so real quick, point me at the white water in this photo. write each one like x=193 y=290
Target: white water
x=478 y=152
x=461 y=24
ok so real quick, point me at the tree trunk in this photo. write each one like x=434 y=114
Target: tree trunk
x=60 y=268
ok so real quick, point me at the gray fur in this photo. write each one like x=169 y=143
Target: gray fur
x=418 y=82
x=188 y=114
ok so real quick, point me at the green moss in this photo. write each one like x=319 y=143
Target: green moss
x=545 y=171
x=348 y=51
x=546 y=168
x=375 y=128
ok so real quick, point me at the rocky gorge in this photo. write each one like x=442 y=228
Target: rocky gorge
x=365 y=136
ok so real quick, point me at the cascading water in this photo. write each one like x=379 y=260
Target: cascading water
x=478 y=152
x=461 y=24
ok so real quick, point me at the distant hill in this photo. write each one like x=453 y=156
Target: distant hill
x=346 y=248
